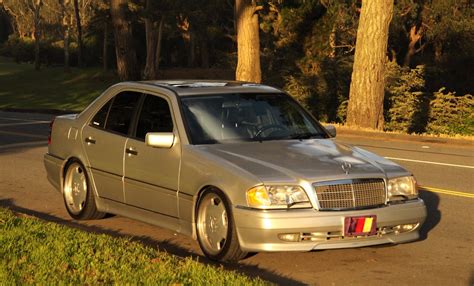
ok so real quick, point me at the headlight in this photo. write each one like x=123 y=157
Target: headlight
x=402 y=188
x=273 y=197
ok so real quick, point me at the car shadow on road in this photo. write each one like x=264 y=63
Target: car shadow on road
x=162 y=245
x=433 y=213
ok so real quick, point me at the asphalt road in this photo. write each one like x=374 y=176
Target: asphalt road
x=443 y=256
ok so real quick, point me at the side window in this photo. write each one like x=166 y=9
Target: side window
x=121 y=112
x=101 y=116
x=154 y=117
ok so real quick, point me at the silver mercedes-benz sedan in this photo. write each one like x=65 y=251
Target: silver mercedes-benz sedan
x=240 y=167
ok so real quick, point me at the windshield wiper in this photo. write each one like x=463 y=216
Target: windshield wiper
x=306 y=135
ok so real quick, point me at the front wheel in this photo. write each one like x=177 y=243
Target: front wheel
x=78 y=196
x=216 y=230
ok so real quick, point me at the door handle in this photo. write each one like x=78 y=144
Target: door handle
x=131 y=151
x=89 y=140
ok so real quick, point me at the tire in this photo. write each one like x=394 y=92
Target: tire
x=216 y=230
x=78 y=195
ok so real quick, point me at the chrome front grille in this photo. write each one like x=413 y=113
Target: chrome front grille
x=350 y=194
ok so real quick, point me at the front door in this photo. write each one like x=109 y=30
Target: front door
x=151 y=174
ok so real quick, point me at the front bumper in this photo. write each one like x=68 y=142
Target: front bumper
x=258 y=230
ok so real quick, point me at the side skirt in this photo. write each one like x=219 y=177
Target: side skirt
x=153 y=218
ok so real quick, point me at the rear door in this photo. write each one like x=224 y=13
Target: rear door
x=151 y=174
x=104 y=141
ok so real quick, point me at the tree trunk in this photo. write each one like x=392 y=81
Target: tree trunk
x=151 y=42
x=415 y=36
x=438 y=51
x=191 y=49
x=366 y=95
x=66 y=27
x=158 y=45
x=37 y=21
x=188 y=38
x=151 y=35
x=248 y=41
x=66 y=49
x=127 y=67
x=79 y=33
x=105 y=53
x=204 y=52
x=333 y=42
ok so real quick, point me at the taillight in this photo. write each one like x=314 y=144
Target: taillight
x=50 y=130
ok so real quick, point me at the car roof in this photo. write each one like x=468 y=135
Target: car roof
x=203 y=87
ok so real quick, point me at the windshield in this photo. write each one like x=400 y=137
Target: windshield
x=247 y=117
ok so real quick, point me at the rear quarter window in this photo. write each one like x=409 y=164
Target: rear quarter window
x=101 y=116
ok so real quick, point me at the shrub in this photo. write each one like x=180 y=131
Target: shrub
x=451 y=114
x=342 y=111
x=51 y=53
x=299 y=91
x=406 y=102
x=324 y=90
x=22 y=50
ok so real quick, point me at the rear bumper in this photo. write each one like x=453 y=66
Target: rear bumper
x=258 y=230
x=53 y=166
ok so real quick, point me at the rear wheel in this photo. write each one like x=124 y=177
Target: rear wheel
x=78 y=196
x=216 y=230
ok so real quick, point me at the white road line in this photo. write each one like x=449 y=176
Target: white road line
x=23 y=134
x=23 y=123
x=429 y=162
x=18 y=119
x=27 y=144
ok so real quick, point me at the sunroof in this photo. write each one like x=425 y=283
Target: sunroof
x=199 y=84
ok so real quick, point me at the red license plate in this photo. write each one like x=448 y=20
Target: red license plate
x=360 y=225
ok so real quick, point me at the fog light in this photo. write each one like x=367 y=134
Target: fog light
x=404 y=227
x=291 y=237
x=408 y=227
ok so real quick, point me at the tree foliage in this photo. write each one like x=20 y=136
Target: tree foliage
x=306 y=46
x=451 y=114
x=406 y=101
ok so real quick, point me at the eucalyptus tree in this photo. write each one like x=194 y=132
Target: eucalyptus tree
x=248 y=41
x=366 y=94
x=127 y=65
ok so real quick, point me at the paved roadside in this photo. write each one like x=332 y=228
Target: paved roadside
x=443 y=255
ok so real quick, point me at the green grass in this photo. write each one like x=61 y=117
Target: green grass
x=21 y=87
x=37 y=252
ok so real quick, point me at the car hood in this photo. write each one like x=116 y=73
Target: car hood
x=312 y=160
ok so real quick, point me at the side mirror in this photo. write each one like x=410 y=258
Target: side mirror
x=159 y=139
x=331 y=129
